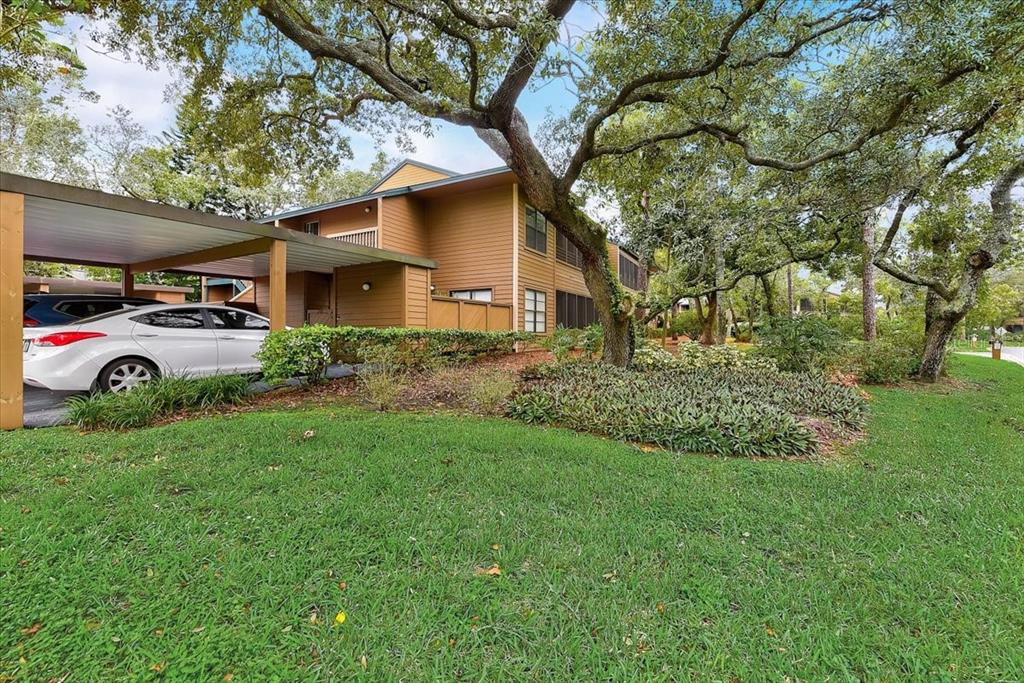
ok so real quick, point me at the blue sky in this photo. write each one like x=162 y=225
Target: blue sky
x=150 y=96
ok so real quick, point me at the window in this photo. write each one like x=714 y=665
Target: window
x=472 y=294
x=87 y=309
x=536 y=311
x=574 y=310
x=566 y=251
x=185 y=318
x=236 y=320
x=629 y=272
x=311 y=228
x=536 y=230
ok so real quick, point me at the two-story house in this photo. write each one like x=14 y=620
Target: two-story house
x=499 y=263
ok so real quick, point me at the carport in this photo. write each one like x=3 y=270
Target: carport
x=46 y=221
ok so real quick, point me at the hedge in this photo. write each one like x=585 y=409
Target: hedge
x=307 y=351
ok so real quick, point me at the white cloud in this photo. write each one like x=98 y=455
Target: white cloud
x=119 y=81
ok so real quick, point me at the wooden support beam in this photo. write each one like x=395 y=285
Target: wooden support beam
x=247 y=248
x=278 y=278
x=127 y=281
x=12 y=307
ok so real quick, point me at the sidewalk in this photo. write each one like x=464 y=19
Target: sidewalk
x=1014 y=354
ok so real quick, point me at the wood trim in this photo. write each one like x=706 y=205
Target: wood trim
x=278 y=287
x=12 y=247
x=515 y=256
x=227 y=251
x=380 y=221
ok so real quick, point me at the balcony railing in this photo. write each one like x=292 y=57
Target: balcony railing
x=366 y=237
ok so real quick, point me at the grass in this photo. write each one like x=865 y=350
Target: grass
x=200 y=549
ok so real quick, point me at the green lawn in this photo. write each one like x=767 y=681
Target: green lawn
x=199 y=549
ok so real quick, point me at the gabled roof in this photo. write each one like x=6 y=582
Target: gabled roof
x=409 y=162
x=393 y=192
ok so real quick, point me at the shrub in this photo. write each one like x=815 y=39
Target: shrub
x=802 y=343
x=692 y=355
x=310 y=349
x=489 y=389
x=384 y=375
x=715 y=410
x=149 y=402
x=564 y=340
x=879 y=362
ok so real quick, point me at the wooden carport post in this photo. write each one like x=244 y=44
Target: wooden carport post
x=12 y=308
x=127 y=281
x=278 y=277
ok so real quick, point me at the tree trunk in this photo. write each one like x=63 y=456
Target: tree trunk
x=789 y=289
x=769 y=295
x=709 y=322
x=719 y=308
x=613 y=310
x=937 y=337
x=868 y=280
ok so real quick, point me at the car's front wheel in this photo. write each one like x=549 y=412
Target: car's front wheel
x=125 y=374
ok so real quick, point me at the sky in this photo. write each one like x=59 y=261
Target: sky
x=149 y=95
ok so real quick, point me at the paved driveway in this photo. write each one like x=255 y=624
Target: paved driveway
x=44 y=408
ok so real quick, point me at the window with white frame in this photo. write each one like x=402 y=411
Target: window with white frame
x=536 y=311
x=472 y=294
x=311 y=228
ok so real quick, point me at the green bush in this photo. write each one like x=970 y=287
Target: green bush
x=720 y=410
x=564 y=340
x=879 y=362
x=149 y=402
x=308 y=350
x=798 y=344
x=692 y=355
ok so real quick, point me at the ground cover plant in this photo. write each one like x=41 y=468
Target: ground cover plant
x=721 y=410
x=229 y=545
x=155 y=400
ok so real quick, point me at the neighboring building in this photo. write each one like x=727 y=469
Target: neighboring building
x=35 y=284
x=495 y=254
x=228 y=290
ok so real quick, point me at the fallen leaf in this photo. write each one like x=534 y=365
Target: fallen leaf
x=493 y=570
x=362 y=662
x=32 y=630
x=495 y=546
x=198 y=629
x=314 y=617
x=159 y=633
x=343 y=585
x=308 y=434
x=770 y=631
x=229 y=676
x=661 y=608
x=158 y=667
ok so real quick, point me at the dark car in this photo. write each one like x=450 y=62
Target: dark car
x=42 y=310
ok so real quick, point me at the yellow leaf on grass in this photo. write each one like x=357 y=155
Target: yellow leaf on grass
x=158 y=667
x=495 y=546
x=661 y=608
x=493 y=570
x=339 y=618
x=32 y=630
x=229 y=676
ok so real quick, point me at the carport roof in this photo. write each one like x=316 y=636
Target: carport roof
x=76 y=225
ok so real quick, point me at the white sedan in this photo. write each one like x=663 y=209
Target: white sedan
x=115 y=351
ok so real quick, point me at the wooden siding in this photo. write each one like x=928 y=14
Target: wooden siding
x=417 y=296
x=382 y=306
x=470 y=237
x=340 y=219
x=295 y=298
x=403 y=225
x=410 y=174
